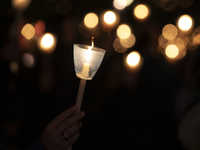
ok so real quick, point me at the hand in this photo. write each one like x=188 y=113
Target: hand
x=63 y=131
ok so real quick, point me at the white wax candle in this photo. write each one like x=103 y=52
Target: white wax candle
x=85 y=70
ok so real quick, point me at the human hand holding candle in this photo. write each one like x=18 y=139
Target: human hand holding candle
x=87 y=60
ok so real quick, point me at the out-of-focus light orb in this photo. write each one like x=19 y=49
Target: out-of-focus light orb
x=28 y=31
x=185 y=3
x=185 y=22
x=129 y=42
x=120 y=4
x=63 y=7
x=14 y=67
x=28 y=60
x=172 y=51
x=109 y=17
x=123 y=31
x=118 y=47
x=141 y=11
x=169 y=31
x=47 y=40
x=133 y=59
x=196 y=40
x=20 y=4
x=47 y=43
x=129 y=2
x=91 y=20
x=39 y=27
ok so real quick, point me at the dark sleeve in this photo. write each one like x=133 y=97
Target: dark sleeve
x=37 y=145
x=2 y=145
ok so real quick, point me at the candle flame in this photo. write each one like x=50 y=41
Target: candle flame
x=88 y=53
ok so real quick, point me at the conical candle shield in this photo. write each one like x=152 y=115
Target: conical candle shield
x=86 y=61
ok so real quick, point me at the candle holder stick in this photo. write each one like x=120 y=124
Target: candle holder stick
x=87 y=60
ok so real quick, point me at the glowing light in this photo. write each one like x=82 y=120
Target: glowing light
x=133 y=59
x=63 y=7
x=109 y=17
x=91 y=20
x=88 y=53
x=28 y=31
x=14 y=67
x=120 y=4
x=141 y=11
x=20 y=4
x=123 y=31
x=196 y=40
x=39 y=27
x=170 y=31
x=47 y=43
x=172 y=51
x=118 y=47
x=129 y=42
x=129 y=2
x=185 y=22
x=28 y=60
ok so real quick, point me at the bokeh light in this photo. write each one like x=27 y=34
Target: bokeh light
x=129 y=42
x=47 y=43
x=141 y=11
x=20 y=4
x=109 y=17
x=63 y=7
x=118 y=47
x=28 y=60
x=171 y=51
x=123 y=31
x=169 y=31
x=14 y=67
x=39 y=27
x=133 y=59
x=129 y=2
x=120 y=4
x=28 y=31
x=91 y=20
x=185 y=23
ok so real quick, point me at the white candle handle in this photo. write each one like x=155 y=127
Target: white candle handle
x=79 y=97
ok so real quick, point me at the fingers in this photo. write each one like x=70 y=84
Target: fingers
x=64 y=115
x=69 y=132
x=70 y=121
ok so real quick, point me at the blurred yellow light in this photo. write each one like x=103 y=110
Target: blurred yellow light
x=123 y=31
x=129 y=2
x=172 y=51
x=133 y=59
x=120 y=4
x=185 y=22
x=118 y=47
x=129 y=42
x=47 y=43
x=141 y=11
x=91 y=20
x=14 y=67
x=20 y=4
x=109 y=17
x=170 y=31
x=28 y=31
x=196 y=40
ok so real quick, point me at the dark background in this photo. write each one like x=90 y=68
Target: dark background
x=124 y=110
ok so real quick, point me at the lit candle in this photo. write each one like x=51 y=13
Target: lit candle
x=86 y=63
